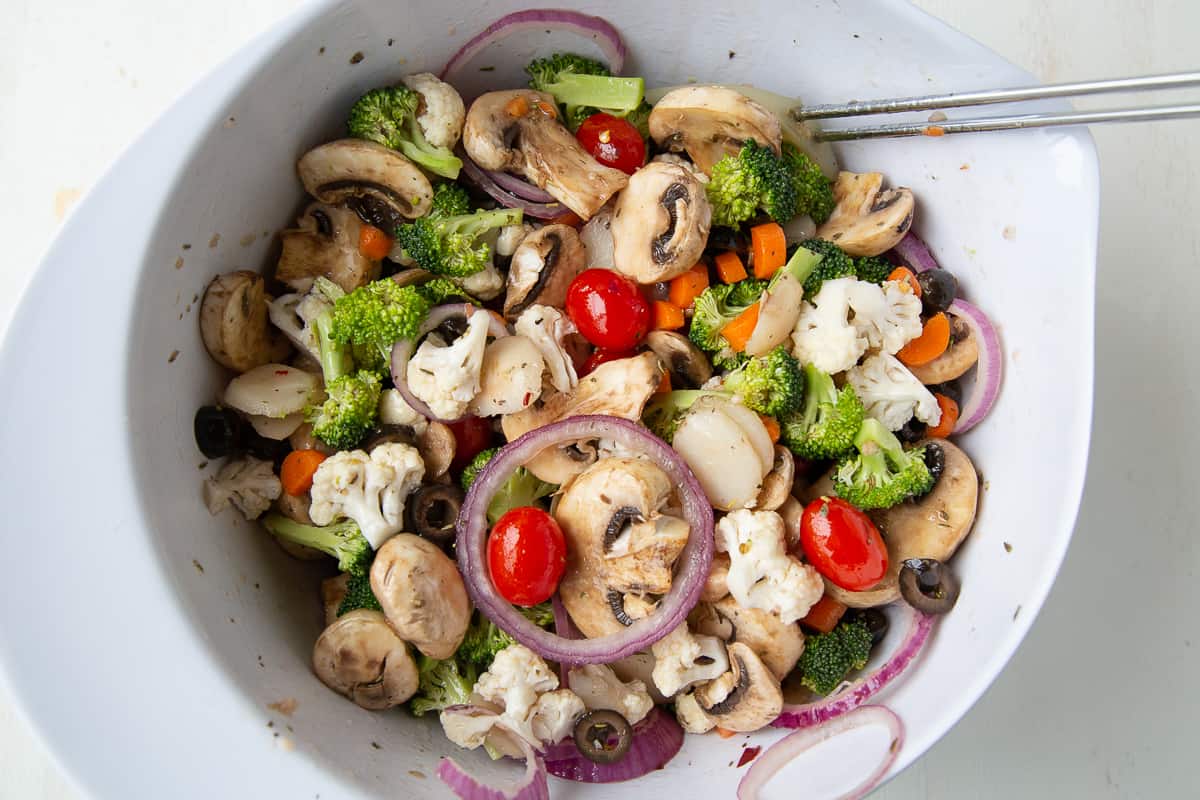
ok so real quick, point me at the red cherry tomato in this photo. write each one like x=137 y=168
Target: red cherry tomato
x=608 y=309
x=601 y=356
x=472 y=435
x=526 y=555
x=843 y=544
x=613 y=142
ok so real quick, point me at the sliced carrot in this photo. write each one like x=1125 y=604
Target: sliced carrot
x=725 y=734
x=933 y=341
x=297 y=471
x=825 y=615
x=373 y=243
x=518 y=106
x=949 y=419
x=730 y=268
x=684 y=289
x=768 y=249
x=906 y=276
x=667 y=316
x=772 y=426
x=664 y=383
x=737 y=332
x=568 y=218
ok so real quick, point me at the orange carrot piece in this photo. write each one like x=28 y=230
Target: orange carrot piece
x=949 y=419
x=933 y=341
x=297 y=471
x=373 y=243
x=737 y=332
x=568 y=218
x=825 y=615
x=684 y=289
x=768 y=249
x=667 y=316
x=772 y=426
x=664 y=383
x=725 y=734
x=906 y=276
x=730 y=268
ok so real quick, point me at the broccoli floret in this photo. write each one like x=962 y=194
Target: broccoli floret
x=343 y=540
x=448 y=245
x=827 y=421
x=834 y=264
x=883 y=474
x=358 y=595
x=715 y=308
x=754 y=178
x=442 y=683
x=771 y=384
x=378 y=314
x=873 y=269
x=584 y=86
x=828 y=657
x=522 y=488
x=484 y=639
x=746 y=292
x=441 y=290
x=349 y=412
x=471 y=471
x=664 y=412
x=388 y=116
x=450 y=200
x=640 y=119
x=814 y=192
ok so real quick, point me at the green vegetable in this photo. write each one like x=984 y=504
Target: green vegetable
x=342 y=540
x=715 y=308
x=883 y=474
x=522 y=488
x=827 y=421
x=584 y=86
x=873 y=269
x=771 y=384
x=666 y=409
x=471 y=471
x=755 y=178
x=450 y=200
x=814 y=192
x=449 y=245
x=640 y=119
x=388 y=116
x=358 y=595
x=349 y=412
x=377 y=316
x=834 y=264
x=829 y=657
x=442 y=290
x=442 y=683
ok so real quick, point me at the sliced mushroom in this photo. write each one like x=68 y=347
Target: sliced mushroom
x=361 y=657
x=542 y=268
x=717 y=585
x=436 y=445
x=379 y=184
x=617 y=388
x=519 y=131
x=511 y=377
x=778 y=311
x=333 y=592
x=777 y=486
x=746 y=698
x=710 y=122
x=779 y=645
x=954 y=362
x=324 y=243
x=689 y=368
x=234 y=323
x=791 y=511
x=660 y=223
x=597 y=238
x=422 y=594
x=931 y=527
x=690 y=715
x=867 y=221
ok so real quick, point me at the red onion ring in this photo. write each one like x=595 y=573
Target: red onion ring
x=915 y=253
x=656 y=740
x=807 y=715
x=533 y=784
x=402 y=351
x=694 y=562
x=481 y=178
x=598 y=30
x=564 y=627
x=520 y=188
x=988 y=371
x=780 y=754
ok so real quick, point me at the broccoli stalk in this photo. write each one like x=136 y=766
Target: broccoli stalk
x=342 y=540
x=814 y=192
x=828 y=657
x=754 y=178
x=358 y=595
x=522 y=488
x=715 y=308
x=827 y=421
x=378 y=315
x=584 y=86
x=448 y=245
x=772 y=384
x=388 y=116
x=883 y=473
x=349 y=412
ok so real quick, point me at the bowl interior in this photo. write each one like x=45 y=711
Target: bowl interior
x=1012 y=215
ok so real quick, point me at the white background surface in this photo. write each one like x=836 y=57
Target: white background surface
x=1101 y=699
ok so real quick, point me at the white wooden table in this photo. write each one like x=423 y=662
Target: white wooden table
x=1101 y=700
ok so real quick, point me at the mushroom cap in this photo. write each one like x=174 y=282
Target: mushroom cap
x=542 y=269
x=954 y=362
x=361 y=657
x=422 y=594
x=746 y=698
x=710 y=122
x=688 y=366
x=717 y=584
x=436 y=444
x=379 y=184
x=660 y=223
x=324 y=243
x=777 y=486
x=333 y=592
x=234 y=322
x=867 y=221
x=777 y=643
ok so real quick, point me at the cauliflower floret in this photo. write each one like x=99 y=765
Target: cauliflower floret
x=246 y=483
x=547 y=327
x=889 y=315
x=294 y=315
x=892 y=394
x=682 y=659
x=761 y=573
x=824 y=335
x=692 y=718
x=442 y=109
x=394 y=410
x=446 y=377
x=510 y=238
x=554 y=715
x=524 y=687
x=599 y=687
x=369 y=489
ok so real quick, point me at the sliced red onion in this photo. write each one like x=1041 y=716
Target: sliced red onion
x=692 y=567
x=482 y=178
x=598 y=30
x=780 y=754
x=532 y=786
x=564 y=627
x=656 y=740
x=520 y=188
x=807 y=715
x=402 y=351
x=988 y=371
x=914 y=253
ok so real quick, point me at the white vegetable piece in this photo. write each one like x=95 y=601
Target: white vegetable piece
x=272 y=390
x=393 y=410
x=276 y=428
x=511 y=377
x=443 y=113
x=510 y=238
x=676 y=656
x=446 y=377
x=520 y=683
x=888 y=315
x=761 y=573
x=246 y=483
x=824 y=335
x=600 y=688
x=547 y=328
x=296 y=314
x=369 y=489
x=487 y=284
x=725 y=451
x=892 y=394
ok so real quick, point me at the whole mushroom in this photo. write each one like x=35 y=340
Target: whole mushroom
x=361 y=657
x=379 y=184
x=710 y=122
x=660 y=223
x=234 y=323
x=542 y=268
x=867 y=221
x=324 y=243
x=422 y=594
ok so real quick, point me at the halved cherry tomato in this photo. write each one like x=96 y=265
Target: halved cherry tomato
x=527 y=555
x=613 y=142
x=843 y=544
x=608 y=309
x=601 y=356
x=472 y=435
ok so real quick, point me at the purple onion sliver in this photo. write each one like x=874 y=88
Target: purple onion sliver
x=533 y=784
x=914 y=253
x=656 y=740
x=520 y=188
x=482 y=179
x=988 y=371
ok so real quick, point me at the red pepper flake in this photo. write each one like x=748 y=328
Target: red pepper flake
x=281 y=372
x=934 y=130
x=748 y=755
x=528 y=396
